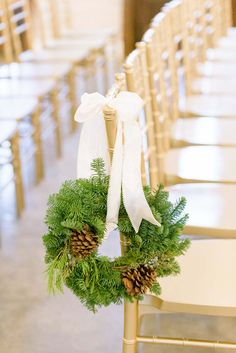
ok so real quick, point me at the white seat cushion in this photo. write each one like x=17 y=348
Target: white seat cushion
x=69 y=55
x=27 y=87
x=35 y=70
x=209 y=207
x=7 y=129
x=17 y=108
x=209 y=105
x=214 y=85
x=201 y=163
x=206 y=283
x=204 y=131
x=218 y=69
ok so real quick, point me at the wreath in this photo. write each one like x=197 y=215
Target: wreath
x=76 y=227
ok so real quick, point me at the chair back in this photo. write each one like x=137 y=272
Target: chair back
x=18 y=12
x=137 y=79
x=6 y=54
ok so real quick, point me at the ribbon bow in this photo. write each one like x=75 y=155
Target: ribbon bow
x=125 y=171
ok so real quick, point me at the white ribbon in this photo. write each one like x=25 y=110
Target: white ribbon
x=93 y=137
x=126 y=164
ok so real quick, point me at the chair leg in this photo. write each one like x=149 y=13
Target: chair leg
x=37 y=133
x=130 y=327
x=73 y=96
x=56 y=118
x=19 y=188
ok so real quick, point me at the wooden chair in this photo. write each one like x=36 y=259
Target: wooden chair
x=49 y=29
x=195 y=105
x=207 y=77
x=9 y=140
x=188 y=292
x=81 y=58
x=184 y=131
x=63 y=27
x=58 y=74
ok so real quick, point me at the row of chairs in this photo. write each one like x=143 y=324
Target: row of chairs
x=43 y=72
x=183 y=69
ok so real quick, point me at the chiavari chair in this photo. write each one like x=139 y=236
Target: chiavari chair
x=63 y=20
x=48 y=31
x=25 y=113
x=35 y=77
x=27 y=50
x=45 y=90
x=209 y=77
x=180 y=131
x=188 y=292
x=196 y=105
x=10 y=155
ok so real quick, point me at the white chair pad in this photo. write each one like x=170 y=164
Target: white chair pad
x=7 y=130
x=77 y=43
x=18 y=88
x=35 y=70
x=59 y=55
x=210 y=208
x=218 y=69
x=222 y=54
x=17 y=108
x=204 y=131
x=214 y=85
x=206 y=284
x=201 y=163
x=209 y=105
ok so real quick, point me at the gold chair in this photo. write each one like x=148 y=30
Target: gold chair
x=181 y=130
x=193 y=105
x=26 y=50
x=188 y=292
x=39 y=76
x=48 y=31
x=9 y=140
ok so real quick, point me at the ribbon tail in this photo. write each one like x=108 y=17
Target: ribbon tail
x=114 y=191
x=133 y=195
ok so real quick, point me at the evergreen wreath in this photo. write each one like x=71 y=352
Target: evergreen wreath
x=76 y=227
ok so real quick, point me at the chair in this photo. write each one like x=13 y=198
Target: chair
x=207 y=77
x=192 y=105
x=190 y=292
x=10 y=154
x=37 y=77
x=50 y=28
x=82 y=58
x=184 y=131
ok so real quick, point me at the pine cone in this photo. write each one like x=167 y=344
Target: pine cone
x=138 y=280
x=83 y=243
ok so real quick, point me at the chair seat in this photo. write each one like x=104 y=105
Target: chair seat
x=83 y=43
x=218 y=69
x=7 y=130
x=201 y=164
x=35 y=70
x=222 y=54
x=19 y=88
x=208 y=105
x=204 y=131
x=206 y=283
x=227 y=42
x=17 y=108
x=214 y=85
x=90 y=33
x=209 y=207
x=58 y=55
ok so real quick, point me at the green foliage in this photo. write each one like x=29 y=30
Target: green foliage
x=96 y=280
